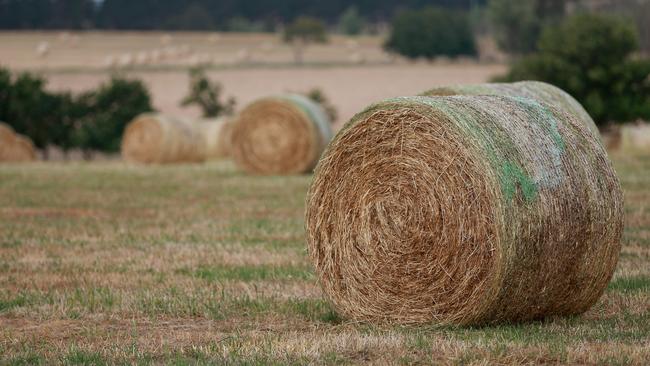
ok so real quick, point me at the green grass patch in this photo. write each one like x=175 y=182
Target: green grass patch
x=630 y=284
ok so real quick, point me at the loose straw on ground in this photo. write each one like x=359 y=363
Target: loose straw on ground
x=464 y=210
x=280 y=135
x=160 y=139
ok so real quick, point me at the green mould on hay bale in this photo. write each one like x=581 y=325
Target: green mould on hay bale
x=537 y=90
x=280 y=135
x=464 y=210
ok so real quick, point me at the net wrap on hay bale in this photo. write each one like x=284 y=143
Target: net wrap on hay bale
x=464 y=210
x=280 y=135
x=159 y=139
x=537 y=90
x=15 y=147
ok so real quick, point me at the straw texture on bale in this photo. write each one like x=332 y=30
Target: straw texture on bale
x=280 y=135
x=536 y=90
x=464 y=210
x=160 y=139
x=15 y=147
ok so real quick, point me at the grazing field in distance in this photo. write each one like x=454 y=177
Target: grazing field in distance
x=110 y=263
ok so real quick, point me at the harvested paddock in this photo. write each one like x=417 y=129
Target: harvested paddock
x=464 y=210
x=196 y=264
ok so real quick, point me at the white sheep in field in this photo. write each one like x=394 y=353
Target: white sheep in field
x=43 y=49
x=125 y=60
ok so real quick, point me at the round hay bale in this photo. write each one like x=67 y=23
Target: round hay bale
x=464 y=210
x=280 y=135
x=15 y=147
x=537 y=90
x=216 y=134
x=635 y=138
x=159 y=139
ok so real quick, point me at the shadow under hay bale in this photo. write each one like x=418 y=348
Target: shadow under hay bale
x=160 y=139
x=14 y=147
x=464 y=210
x=537 y=90
x=280 y=135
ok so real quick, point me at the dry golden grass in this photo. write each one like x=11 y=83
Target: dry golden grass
x=107 y=263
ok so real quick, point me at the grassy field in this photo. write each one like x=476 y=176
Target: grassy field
x=106 y=263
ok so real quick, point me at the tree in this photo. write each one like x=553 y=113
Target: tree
x=350 y=22
x=518 y=24
x=108 y=110
x=589 y=56
x=303 y=31
x=207 y=95
x=431 y=32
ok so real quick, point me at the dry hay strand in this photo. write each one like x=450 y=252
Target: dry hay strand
x=280 y=135
x=159 y=139
x=537 y=90
x=216 y=134
x=635 y=138
x=15 y=147
x=464 y=210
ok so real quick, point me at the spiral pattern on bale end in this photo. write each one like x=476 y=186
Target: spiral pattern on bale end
x=159 y=139
x=280 y=135
x=463 y=210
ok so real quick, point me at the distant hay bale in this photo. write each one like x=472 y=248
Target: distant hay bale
x=216 y=134
x=43 y=49
x=158 y=139
x=280 y=135
x=635 y=138
x=464 y=210
x=537 y=90
x=15 y=147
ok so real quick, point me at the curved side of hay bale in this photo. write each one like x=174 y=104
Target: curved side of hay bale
x=160 y=139
x=537 y=90
x=464 y=210
x=15 y=147
x=216 y=134
x=280 y=135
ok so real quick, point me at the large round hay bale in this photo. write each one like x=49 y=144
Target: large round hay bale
x=464 y=210
x=635 y=138
x=216 y=134
x=15 y=147
x=280 y=135
x=537 y=90
x=159 y=139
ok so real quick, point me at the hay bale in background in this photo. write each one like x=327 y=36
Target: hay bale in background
x=280 y=135
x=159 y=139
x=464 y=210
x=15 y=147
x=537 y=90
x=216 y=134
x=635 y=138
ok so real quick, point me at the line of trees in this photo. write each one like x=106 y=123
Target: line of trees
x=91 y=121
x=196 y=14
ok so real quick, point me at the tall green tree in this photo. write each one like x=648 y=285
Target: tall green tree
x=351 y=22
x=431 y=32
x=590 y=56
x=302 y=32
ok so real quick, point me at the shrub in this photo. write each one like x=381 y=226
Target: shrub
x=318 y=96
x=207 y=95
x=589 y=57
x=431 y=32
x=107 y=112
